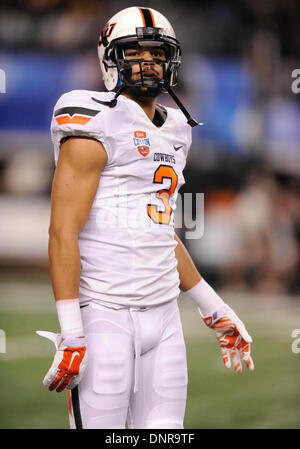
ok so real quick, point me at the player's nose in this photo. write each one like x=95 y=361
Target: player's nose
x=147 y=56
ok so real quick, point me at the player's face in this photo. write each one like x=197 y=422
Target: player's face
x=150 y=68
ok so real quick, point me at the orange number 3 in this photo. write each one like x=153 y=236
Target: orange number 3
x=163 y=171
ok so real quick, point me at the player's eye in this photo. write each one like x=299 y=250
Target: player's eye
x=131 y=53
x=158 y=53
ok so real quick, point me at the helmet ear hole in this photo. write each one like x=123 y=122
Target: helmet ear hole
x=112 y=56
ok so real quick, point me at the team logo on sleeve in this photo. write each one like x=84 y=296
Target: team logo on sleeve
x=74 y=114
x=141 y=142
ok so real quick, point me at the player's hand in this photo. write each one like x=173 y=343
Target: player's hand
x=69 y=362
x=233 y=337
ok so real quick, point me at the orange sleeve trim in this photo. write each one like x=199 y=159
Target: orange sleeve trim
x=77 y=119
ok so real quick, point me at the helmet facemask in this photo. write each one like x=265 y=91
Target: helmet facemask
x=114 y=57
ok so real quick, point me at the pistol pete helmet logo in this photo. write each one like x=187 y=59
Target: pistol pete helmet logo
x=141 y=142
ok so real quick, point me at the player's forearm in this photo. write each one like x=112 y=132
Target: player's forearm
x=188 y=274
x=64 y=260
x=192 y=282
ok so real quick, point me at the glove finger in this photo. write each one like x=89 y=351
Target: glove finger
x=63 y=384
x=245 y=354
x=50 y=376
x=73 y=382
x=236 y=361
x=226 y=358
x=56 y=381
x=249 y=363
x=52 y=336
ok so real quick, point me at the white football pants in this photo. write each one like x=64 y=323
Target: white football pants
x=136 y=369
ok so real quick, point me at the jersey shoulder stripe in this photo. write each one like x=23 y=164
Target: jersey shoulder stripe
x=74 y=114
x=71 y=110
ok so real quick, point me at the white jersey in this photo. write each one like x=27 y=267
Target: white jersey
x=127 y=244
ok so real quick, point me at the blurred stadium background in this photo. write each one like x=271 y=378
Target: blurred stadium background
x=236 y=77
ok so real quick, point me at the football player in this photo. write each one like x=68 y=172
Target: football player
x=117 y=267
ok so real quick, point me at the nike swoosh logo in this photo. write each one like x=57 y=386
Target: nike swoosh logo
x=75 y=354
x=177 y=148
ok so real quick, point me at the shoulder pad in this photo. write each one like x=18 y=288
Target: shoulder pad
x=77 y=114
x=76 y=107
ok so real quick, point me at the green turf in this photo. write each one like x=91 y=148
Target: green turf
x=21 y=324
x=268 y=397
x=25 y=402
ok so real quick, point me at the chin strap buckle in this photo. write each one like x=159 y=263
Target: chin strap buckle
x=190 y=120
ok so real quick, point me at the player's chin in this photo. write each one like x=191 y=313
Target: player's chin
x=148 y=91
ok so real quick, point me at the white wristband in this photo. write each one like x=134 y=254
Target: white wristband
x=69 y=317
x=205 y=297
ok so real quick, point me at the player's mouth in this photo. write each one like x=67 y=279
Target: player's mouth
x=150 y=73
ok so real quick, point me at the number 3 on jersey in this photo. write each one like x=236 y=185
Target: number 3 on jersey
x=163 y=171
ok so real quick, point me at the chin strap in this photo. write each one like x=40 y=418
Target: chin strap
x=190 y=120
x=112 y=103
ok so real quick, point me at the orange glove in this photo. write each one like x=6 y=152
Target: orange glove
x=233 y=337
x=69 y=362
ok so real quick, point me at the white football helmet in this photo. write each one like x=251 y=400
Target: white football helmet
x=139 y=27
x=131 y=27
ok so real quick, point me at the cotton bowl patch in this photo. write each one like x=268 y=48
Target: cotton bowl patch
x=141 y=142
x=143 y=150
